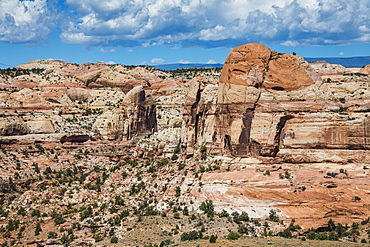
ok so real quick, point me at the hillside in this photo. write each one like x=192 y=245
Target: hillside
x=270 y=146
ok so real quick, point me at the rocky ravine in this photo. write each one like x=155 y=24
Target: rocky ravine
x=274 y=133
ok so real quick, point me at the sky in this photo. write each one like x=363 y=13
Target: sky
x=154 y=32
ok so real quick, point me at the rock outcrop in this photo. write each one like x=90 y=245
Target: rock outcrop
x=365 y=70
x=277 y=105
x=136 y=118
x=266 y=104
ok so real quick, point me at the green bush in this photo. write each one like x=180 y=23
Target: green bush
x=38 y=229
x=52 y=235
x=233 y=235
x=311 y=235
x=58 y=219
x=213 y=239
x=273 y=216
x=191 y=235
x=321 y=236
x=177 y=191
x=207 y=207
x=177 y=149
x=114 y=240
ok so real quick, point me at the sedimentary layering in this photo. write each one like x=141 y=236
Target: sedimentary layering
x=274 y=132
x=50 y=100
x=277 y=105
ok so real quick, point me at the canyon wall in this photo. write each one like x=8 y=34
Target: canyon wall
x=265 y=104
x=277 y=105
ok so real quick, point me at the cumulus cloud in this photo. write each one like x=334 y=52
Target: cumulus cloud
x=211 y=61
x=157 y=60
x=217 y=23
x=26 y=22
x=189 y=23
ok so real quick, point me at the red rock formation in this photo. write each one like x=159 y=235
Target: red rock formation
x=276 y=105
x=250 y=70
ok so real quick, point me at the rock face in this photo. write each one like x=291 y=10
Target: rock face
x=277 y=105
x=365 y=70
x=135 y=119
x=51 y=100
x=266 y=104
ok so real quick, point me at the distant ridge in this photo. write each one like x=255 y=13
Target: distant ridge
x=349 y=62
x=176 y=66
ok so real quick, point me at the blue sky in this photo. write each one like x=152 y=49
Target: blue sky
x=162 y=31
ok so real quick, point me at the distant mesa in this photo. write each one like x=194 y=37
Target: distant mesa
x=176 y=66
x=349 y=62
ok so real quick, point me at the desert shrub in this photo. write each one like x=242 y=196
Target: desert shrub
x=224 y=213
x=38 y=229
x=233 y=235
x=162 y=162
x=35 y=213
x=273 y=216
x=321 y=236
x=86 y=213
x=174 y=157
x=207 y=207
x=114 y=240
x=311 y=235
x=176 y=215
x=12 y=225
x=21 y=211
x=58 y=219
x=52 y=235
x=213 y=239
x=191 y=235
x=242 y=229
x=286 y=233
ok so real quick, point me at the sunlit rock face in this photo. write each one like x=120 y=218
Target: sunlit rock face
x=277 y=105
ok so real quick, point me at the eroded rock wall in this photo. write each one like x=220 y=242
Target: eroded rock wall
x=277 y=105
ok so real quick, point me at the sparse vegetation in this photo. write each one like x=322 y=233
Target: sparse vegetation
x=124 y=186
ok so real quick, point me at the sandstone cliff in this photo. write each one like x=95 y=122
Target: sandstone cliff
x=277 y=105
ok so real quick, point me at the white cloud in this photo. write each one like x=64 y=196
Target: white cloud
x=157 y=60
x=291 y=43
x=110 y=63
x=341 y=53
x=26 y=22
x=102 y=50
x=211 y=61
x=183 y=61
x=188 y=23
x=217 y=23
